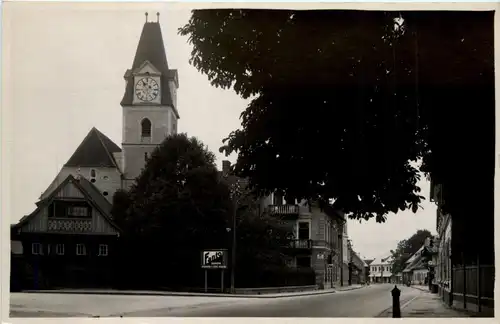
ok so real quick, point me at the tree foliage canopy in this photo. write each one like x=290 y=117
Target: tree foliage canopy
x=181 y=201
x=178 y=196
x=406 y=248
x=345 y=102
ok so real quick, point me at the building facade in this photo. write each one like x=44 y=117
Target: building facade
x=316 y=241
x=368 y=262
x=443 y=264
x=381 y=270
x=316 y=238
x=357 y=268
x=466 y=260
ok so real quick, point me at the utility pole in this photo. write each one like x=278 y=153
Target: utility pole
x=341 y=254
x=233 y=250
x=235 y=195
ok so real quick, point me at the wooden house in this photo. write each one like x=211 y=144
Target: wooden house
x=69 y=239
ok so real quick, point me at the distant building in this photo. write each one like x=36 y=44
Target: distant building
x=381 y=270
x=416 y=268
x=367 y=269
x=357 y=268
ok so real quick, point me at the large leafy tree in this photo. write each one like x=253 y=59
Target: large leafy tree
x=177 y=207
x=260 y=237
x=181 y=204
x=406 y=248
x=344 y=101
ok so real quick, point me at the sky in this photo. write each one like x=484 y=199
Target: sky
x=65 y=75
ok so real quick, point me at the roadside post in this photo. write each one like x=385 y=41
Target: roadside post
x=396 y=307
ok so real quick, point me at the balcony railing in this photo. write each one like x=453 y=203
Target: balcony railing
x=284 y=209
x=69 y=225
x=300 y=244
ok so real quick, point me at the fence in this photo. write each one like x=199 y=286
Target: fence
x=473 y=284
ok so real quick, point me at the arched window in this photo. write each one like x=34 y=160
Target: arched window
x=92 y=173
x=145 y=128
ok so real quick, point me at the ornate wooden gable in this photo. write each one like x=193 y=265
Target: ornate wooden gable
x=75 y=207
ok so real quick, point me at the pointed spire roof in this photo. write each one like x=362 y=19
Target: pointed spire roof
x=152 y=49
x=96 y=150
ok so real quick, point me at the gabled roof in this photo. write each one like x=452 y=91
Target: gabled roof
x=419 y=264
x=415 y=255
x=368 y=261
x=381 y=261
x=90 y=192
x=96 y=150
x=152 y=49
x=95 y=195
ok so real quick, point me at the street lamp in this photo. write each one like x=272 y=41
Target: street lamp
x=235 y=195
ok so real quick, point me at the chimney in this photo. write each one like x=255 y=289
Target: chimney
x=226 y=167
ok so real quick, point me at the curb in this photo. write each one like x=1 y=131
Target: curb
x=35 y=312
x=354 y=288
x=131 y=293
x=421 y=289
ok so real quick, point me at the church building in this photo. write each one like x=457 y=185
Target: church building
x=70 y=237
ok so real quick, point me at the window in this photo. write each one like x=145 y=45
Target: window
x=145 y=128
x=303 y=231
x=277 y=199
x=80 y=249
x=105 y=177
x=92 y=173
x=60 y=249
x=65 y=209
x=174 y=126
x=78 y=211
x=146 y=156
x=304 y=262
x=103 y=250
x=36 y=249
x=104 y=193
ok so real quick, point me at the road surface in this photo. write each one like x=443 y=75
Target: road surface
x=365 y=302
x=95 y=305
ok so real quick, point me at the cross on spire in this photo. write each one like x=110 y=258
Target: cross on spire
x=146 y=17
x=157 y=17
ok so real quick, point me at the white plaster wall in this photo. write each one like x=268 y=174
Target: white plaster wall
x=107 y=179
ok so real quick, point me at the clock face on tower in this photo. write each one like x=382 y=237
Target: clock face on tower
x=147 y=89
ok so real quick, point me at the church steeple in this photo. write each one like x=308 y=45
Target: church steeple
x=149 y=103
x=152 y=49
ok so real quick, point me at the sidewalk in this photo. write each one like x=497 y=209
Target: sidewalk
x=427 y=305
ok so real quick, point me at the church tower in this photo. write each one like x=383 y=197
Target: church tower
x=149 y=103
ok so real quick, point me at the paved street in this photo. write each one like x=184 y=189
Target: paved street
x=365 y=302
x=86 y=305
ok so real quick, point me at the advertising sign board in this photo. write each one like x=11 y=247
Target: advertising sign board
x=214 y=259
